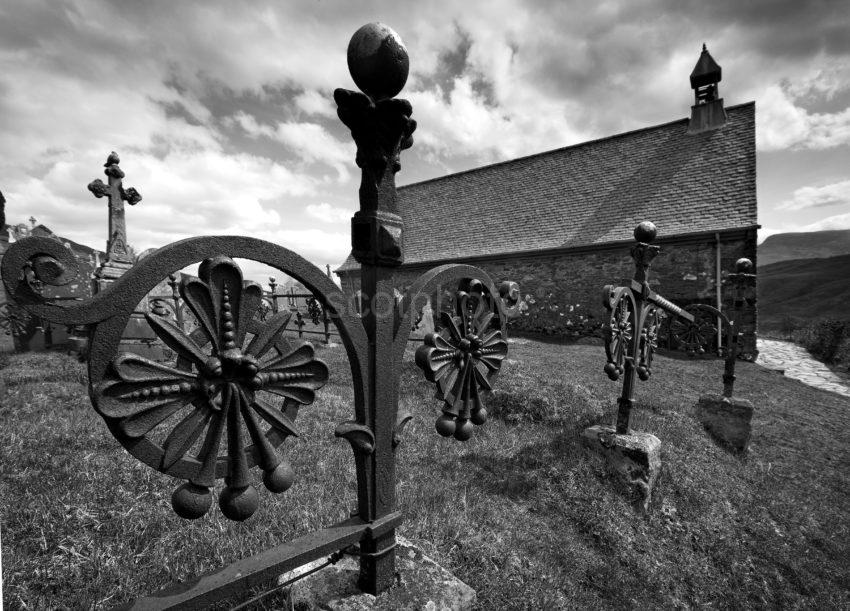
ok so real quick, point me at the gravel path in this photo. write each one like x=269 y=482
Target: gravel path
x=799 y=364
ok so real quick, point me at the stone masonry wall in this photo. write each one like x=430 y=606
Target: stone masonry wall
x=562 y=293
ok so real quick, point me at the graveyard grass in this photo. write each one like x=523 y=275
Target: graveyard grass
x=520 y=512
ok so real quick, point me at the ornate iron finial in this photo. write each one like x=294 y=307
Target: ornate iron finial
x=743 y=280
x=644 y=251
x=378 y=61
x=743 y=265
x=645 y=232
x=381 y=127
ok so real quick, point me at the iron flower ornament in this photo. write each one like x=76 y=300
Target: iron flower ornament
x=462 y=360
x=219 y=384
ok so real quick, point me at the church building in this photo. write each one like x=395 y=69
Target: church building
x=560 y=223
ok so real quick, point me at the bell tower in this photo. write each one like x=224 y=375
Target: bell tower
x=707 y=113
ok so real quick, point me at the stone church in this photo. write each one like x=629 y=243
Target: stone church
x=560 y=223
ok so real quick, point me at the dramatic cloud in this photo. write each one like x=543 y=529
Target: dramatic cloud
x=839 y=221
x=784 y=125
x=224 y=118
x=310 y=142
x=329 y=214
x=834 y=194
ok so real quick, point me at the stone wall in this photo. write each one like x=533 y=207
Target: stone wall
x=562 y=292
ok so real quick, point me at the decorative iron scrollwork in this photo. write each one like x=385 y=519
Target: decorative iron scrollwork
x=618 y=331
x=698 y=336
x=648 y=343
x=461 y=360
x=219 y=383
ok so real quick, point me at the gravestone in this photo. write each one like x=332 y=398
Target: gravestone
x=138 y=337
x=426 y=321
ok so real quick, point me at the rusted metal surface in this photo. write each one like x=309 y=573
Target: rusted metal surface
x=223 y=371
x=631 y=332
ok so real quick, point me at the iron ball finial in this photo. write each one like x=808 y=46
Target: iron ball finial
x=645 y=232
x=378 y=61
x=743 y=265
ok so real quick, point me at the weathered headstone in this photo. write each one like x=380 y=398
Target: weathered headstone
x=138 y=337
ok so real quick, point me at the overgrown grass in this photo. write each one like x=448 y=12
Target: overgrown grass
x=520 y=512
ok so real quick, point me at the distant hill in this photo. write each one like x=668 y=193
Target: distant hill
x=803 y=289
x=804 y=245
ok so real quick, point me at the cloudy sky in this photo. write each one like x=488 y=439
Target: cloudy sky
x=223 y=116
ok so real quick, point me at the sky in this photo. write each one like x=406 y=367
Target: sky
x=223 y=116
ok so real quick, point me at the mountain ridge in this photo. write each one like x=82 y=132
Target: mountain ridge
x=804 y=245
x=797 y=291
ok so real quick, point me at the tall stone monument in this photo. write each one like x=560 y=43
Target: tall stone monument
x=118 y=256
x=138 y=337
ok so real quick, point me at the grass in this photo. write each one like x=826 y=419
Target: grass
x=520 y=512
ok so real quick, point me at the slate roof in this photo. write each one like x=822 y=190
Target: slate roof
x=589 y=193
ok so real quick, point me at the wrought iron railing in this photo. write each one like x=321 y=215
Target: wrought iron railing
x=237 y=381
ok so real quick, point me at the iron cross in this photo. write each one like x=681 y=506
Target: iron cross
x=632 y=331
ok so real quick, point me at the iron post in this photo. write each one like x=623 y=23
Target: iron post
x=741 y=279
x=381 y=127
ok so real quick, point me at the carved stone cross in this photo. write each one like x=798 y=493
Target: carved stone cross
x=116 y=244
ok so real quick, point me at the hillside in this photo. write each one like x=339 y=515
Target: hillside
x=803 y=245
x=803 y=289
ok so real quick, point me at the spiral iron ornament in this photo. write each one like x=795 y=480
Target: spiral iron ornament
x=698 y=336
